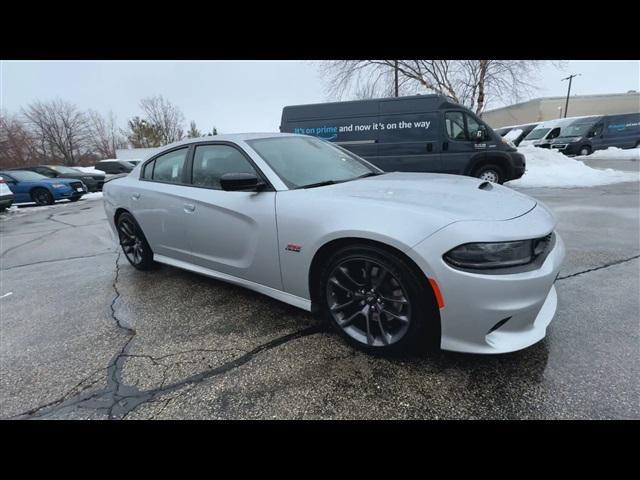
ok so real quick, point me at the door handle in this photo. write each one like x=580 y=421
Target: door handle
x=135 y=196
x=189 y=207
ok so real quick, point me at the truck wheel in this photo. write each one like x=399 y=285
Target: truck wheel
x=585 y=150
x=490 y=173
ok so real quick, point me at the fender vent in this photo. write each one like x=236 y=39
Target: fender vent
x=485 y=186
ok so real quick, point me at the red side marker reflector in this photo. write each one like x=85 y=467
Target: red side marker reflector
x=437 y=292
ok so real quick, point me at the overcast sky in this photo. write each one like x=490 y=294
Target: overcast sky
x=240 y=96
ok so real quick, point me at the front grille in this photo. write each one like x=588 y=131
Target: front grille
x=560 y=146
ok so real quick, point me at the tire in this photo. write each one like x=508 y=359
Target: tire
x=372 y=321
x=133 y=242
x=584 y=151
x=42 y=196
x=2 y=209
x=491 y=173
x=74 y=199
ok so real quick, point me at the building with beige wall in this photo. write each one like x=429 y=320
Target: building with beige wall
x=548 y=108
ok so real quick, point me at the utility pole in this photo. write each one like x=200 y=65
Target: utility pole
x=566 y=105
x=396 y=75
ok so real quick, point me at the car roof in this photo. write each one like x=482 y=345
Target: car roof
x=231 y=137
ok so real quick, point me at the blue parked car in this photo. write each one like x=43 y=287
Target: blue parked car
x=30 y=186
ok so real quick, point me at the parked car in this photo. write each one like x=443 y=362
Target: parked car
x=542 y=135
x=517 y=133
x=93 y=182
x=584 y=136
x=29 y=186
x=422 y=133
x=113 y=166
x=391 y=260
x=502 y=131
x=6 y=195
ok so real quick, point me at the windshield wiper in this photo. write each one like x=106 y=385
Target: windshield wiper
x=319 y=184
x=369 y=174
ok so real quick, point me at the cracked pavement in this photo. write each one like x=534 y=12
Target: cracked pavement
x=85 y=336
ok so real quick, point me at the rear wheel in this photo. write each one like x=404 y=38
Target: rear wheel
x=133 y=242
x=42 y=196
x=490 y=173
x=375 y=301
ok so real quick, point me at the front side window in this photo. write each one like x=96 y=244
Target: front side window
x=169 y=167
x=455 y=125
x=305 y=161
x=473 y=127
x=63 y=170
x=210 y=162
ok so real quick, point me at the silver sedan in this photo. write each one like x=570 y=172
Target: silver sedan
x=391 y=260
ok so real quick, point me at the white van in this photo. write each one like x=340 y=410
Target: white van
x=543 y=134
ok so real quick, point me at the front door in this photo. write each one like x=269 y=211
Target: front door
x=231 y=232
x=460 y=145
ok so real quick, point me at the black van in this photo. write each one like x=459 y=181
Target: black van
x=586 y=135
x=422 y=133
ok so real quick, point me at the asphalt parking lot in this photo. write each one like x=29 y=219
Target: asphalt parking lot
x=84 y=335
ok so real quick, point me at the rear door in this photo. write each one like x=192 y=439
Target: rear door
x=409 y=142
x=158 y=203
x=231 y=232
x=460 y=148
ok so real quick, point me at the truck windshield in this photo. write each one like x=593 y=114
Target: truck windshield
x=537 y=133
x=304 y=161
x=575 y=130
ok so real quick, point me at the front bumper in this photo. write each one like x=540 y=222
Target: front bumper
x=476 y=305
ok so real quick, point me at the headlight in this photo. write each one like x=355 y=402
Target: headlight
x=59 y=185
x=496 y=255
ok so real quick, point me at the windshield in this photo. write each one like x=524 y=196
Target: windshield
x=69 y=170
x=537 y=133
x=303 y=161
x=513 y=134
x=27 y=176
x=575 y=130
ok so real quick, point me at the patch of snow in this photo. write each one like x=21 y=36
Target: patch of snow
x=90 y=170
x=92 y=196
x=548 y=168
x=614 y=153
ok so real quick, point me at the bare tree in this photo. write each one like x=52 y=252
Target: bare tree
x=473 y=83
x=17 y=146
x=165 y=116
x=104 y=135
x=61 y=130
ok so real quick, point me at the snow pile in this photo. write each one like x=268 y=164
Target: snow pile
x=614 y=153
x=547 y=168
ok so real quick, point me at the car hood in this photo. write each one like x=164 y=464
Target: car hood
x=453 y=196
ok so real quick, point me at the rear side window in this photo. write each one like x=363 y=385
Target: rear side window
x=169 y=167
x=210 y=162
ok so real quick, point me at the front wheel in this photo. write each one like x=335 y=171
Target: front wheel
x=490 y=173
x=584 y=151
x=375 y=301
x=133 y=242
x=74 y=199
x=42 y=196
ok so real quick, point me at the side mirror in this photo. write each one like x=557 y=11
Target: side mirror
x=480 y=135
x=232 y=182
